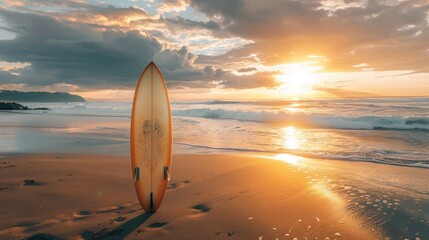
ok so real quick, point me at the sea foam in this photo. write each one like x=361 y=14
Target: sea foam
x=315 y=120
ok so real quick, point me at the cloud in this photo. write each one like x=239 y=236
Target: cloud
x=11 y=3
x=257 y=80
x=183 y=23
x=345 y=33
x=79 y=44
x=74 y=54
x=249 y=69
x=179 y=65
x=345 y=93
x=172 y=6
x=57 y=51
x=6 y=77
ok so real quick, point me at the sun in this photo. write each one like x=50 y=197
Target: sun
x=298 y=78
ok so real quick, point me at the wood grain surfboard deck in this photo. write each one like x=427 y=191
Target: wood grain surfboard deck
x=151 y=138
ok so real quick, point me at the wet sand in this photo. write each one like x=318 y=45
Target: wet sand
x=213 y=196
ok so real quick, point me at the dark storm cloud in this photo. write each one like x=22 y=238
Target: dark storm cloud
x=40 y=28
x=179 y=25
x=80 y=54
x=75 y=54
x=6 y=77
x=386 y=35
x=177 y=66
x=183 y=23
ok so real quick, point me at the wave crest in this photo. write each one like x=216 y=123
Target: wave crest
x=316 y=120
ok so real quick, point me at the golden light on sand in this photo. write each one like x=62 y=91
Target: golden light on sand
x=288 y=158
x=291 y=137
x=298 y=78
x=326 y=192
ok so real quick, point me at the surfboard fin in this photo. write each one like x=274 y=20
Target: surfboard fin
x=151 y=202
x=166 y=173
x=136 y=174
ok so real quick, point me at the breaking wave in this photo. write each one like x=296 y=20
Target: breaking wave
x=328 y=121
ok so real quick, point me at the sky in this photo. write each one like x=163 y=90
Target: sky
x=223 y=49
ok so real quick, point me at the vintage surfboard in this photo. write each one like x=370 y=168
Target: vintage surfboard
x=151 y=138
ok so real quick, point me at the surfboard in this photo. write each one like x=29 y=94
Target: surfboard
x=151 y=138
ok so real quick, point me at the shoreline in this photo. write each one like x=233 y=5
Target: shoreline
x=212 y=196
x=185 y=148
x=233 y=151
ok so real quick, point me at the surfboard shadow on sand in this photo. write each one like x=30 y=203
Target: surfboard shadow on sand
x=121 y=231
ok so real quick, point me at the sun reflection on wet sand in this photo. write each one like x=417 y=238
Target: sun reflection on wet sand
x=288 y=158
x=319 y=183
x=324 y=190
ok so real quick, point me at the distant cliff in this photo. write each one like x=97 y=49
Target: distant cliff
x=7 y=95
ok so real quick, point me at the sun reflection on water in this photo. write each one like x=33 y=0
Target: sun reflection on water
x=291 y=141
x=291 y=137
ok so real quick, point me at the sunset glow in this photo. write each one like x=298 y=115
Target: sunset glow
x=206 y=50
x=298 y=79
x=214 y=119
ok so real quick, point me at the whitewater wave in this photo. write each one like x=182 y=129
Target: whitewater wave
x=328 y=121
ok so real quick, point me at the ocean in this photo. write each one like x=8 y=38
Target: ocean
x=383 y=130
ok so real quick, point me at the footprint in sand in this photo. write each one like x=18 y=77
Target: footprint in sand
x=157 y=225
x=201 y=207
x=173 y=186
x=119 y=219
x=80 y=215
x=30 y=182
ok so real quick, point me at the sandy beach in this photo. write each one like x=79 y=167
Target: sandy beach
x=212 y=196
x=207 y=120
